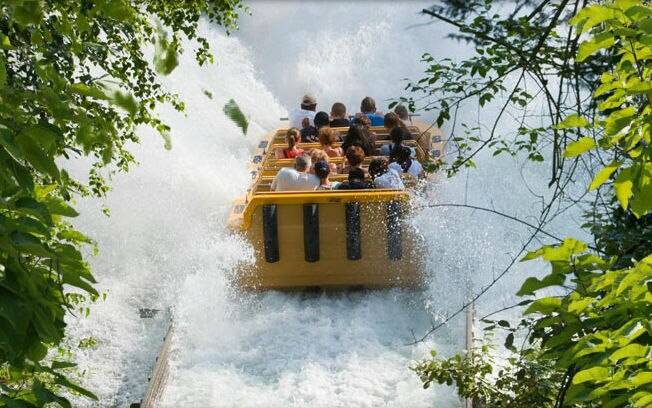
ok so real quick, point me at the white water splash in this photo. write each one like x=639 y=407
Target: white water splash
x=165 y=244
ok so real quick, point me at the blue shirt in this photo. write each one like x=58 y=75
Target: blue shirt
x=376 y=120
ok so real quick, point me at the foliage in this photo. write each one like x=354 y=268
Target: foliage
x=595 y=78
x=521 y=382
x=233 y=112
x=599 y=334
x=74 y=82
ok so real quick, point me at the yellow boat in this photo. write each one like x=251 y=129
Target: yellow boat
x=329 y=238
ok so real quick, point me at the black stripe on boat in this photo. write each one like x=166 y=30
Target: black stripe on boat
x=311 y=232
x=270 y=233
x=353 y=243
x=394 y=248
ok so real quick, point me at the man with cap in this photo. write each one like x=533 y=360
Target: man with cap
x=308 y=108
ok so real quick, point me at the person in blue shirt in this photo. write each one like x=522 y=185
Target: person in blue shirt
x=368 y=107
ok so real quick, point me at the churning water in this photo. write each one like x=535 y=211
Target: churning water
x=165 y=245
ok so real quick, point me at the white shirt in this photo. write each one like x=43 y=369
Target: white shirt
x=296 y=116
x=288 y=179
x=415 y=168
x=391 y=179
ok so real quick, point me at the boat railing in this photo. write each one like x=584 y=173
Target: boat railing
x=242 y=215
x=264 y=183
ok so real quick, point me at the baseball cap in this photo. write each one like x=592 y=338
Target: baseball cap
x=309 y=100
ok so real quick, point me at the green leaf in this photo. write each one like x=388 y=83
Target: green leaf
x=641 y=202
x=165 y=53
x=28 y=243
x=544 y=305
x=46 y=396
x=594 y=374
x=642 y=378
x=573 y=121
x=91 y=91
x=233 y=112
x=33 y=207
x=600 y=41
x=83 y=391
x=589 y=17
x=619 y=119
x=630 y=350
x=37 y=352
x=37 y=156
x=60 y=207
x=533 y=284
x=561 y=252
x=578 y=147
x=509 y=342
x=57 y=365
x=623 y=186
x=3 y=73
x=125 y=101
x=604 y=174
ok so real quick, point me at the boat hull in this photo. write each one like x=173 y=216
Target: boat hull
x=329 y=239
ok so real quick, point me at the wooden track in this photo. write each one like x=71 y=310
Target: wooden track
x=160 y=373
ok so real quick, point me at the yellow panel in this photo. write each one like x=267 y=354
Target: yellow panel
x=333 y=269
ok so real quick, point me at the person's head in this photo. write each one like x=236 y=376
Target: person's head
x=309 y=102
x=398 y=135
x=293 y=136
x=322 y=169
x=338 y=110
x=354 y=156
x=402 y=154
x=402 y=112
x=368 y=105
x=356 y=133
x=378 y=167
x=318 y=155
x=391 y=121
x=302 y=163
x=362 y=120
x=327 y=136
x=321 y=119
x=356 y=174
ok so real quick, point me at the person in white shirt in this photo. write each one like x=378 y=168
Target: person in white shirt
x=308 y=109
x=297 y=178
x=405 y=164
x=383 y=176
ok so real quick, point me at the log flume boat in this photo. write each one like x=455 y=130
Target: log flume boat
x=330 y=239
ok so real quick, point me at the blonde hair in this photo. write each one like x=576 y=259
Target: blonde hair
x=317 y=155
x=293 y=136
x=327 y=136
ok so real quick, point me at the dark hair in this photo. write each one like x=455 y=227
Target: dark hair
x=398 y=135
x=355 y=155
x=356 y=173
x=402 y=112
x=338 y=109
x=403 y=157
x=321 y=119
x=391 y=121
x=378 y=167
x=322 y=171
x=357 y=135
x=368 y=105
